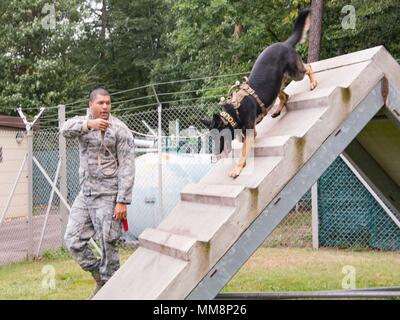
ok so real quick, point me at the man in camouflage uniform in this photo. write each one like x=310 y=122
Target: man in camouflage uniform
x=106 y=176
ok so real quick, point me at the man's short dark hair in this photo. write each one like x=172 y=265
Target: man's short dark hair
x=96 y=92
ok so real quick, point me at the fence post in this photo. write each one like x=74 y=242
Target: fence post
x=314 y=214
x=62 y=151
x=160 y=174
x=29 y=138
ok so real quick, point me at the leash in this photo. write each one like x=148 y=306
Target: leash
x=103 y=166
x=106 y=165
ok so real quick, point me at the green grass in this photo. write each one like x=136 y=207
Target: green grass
x=24 y=280
x=277 y=269
x=270 y=269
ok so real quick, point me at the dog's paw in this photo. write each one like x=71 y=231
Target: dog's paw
x=275 y=114
x=235 y=172
x=313 y=85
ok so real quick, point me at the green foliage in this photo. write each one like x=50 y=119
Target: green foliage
x=377 y=23
x=131 y=46
x=36 y=69
x=56 y=254
x=218 y=37
x=134 y=43
x=269 y=269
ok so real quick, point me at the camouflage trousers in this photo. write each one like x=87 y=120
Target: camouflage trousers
x=92 y=217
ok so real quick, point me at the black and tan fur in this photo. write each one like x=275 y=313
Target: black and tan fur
x=277 y=63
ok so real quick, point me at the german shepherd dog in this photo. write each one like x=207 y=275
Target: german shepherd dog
x=277 y=63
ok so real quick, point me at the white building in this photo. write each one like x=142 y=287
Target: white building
x=13 y=147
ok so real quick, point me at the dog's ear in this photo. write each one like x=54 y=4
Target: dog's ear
x=206 y=122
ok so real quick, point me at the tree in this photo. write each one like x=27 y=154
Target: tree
x=49 y=58
x=213 y=37
x=122 y=45
x=35 y=68
x=374 y=23
x=314 y=47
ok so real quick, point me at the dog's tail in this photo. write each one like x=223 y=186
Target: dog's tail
x=301 y=26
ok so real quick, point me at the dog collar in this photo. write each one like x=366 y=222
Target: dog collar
x=225 y=115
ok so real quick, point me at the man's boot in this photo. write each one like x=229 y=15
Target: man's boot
x=99 y=283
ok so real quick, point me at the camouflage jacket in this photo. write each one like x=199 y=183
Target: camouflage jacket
x=106 y=168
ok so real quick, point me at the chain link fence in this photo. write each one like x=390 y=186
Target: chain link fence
x=349 y=217
x=186 y=160
x=295 y=231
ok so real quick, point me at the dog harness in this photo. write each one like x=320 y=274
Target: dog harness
x=228 y=118
x=243 y=90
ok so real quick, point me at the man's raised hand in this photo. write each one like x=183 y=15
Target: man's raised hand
x=98 y=124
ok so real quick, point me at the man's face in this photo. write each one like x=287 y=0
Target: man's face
x=100 y=107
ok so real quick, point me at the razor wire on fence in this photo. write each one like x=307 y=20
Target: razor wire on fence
x=348 y=216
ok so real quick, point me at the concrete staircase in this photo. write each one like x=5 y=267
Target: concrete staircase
x=214 y=213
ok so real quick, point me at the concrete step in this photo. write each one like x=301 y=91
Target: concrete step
x=256 y=169
x=173 y=245
x=345 y=60
x=129 y=284
x=264 y=146
x=319 y=97
x=290 y=123
x=300 y=95
x=196 y=220
x=218 y=194
x=270 y=146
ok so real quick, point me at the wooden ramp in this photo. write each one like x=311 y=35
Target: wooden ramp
x=220 y=222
